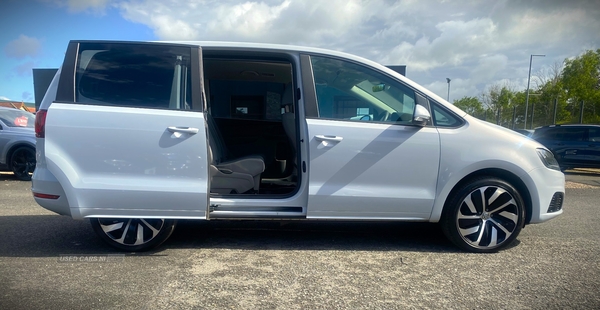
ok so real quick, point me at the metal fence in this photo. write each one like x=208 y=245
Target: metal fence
x=543 y=114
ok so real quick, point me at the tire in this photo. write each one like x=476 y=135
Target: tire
x=484 y=225
x=133 y=235
x=22 y=163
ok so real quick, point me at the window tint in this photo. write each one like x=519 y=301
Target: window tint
x=565 y=134
x=572 y=134
x=352 y=92
x=134 y=75
x=594 y=134
x=443 y=118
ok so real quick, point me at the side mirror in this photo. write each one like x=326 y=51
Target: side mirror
x=421 y=116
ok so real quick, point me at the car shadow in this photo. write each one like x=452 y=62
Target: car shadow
x=54 y=235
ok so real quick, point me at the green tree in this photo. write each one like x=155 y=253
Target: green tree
x=550 y=90
x=498 y=101
x=471 y=105
x=581 y=80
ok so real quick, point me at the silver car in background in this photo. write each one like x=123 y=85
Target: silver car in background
x=17 y=142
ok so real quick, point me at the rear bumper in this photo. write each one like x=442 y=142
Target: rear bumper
x=44 y=182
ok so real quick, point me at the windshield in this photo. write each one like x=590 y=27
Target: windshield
x=17 y=118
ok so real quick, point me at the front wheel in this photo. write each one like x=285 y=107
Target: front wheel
x=133 y=235
x=485 y=215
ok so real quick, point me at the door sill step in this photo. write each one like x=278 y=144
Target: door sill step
x=229 y=214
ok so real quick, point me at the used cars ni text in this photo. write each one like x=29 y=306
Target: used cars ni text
x=134 y=136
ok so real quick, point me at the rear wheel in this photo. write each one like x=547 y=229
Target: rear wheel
x=485 y=215
x=22 y=163
x=134 y=235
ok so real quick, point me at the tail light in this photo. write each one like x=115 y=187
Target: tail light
x=40 y=123
x=45 y=196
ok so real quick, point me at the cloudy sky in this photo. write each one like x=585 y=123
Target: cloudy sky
x=474 y=43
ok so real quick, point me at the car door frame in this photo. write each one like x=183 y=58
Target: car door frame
x=311 y=111
x=196 y=201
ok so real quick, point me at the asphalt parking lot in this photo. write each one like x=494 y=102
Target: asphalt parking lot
x=53 y=262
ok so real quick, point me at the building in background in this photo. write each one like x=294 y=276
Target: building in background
x=26 y=106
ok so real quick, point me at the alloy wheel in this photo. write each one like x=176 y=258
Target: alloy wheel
x=487 y=217
x=23 y=163
x=131 y=232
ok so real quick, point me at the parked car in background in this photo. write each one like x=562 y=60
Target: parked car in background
x=17 y=142
x=525 y=132
x=134 y=136
x=574 y=146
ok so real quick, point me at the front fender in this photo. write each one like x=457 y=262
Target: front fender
x=456 y=177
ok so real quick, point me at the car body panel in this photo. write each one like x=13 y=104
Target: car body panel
x=462 y=155
x=116 y=160
x=372 y=160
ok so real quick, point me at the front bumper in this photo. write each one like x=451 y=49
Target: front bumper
x=548 y=189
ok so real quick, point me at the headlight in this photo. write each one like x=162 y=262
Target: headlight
x=548 y=159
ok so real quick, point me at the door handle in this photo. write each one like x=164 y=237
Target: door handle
x=189 y=130
x=329 y=138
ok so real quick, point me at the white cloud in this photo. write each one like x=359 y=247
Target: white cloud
x=286 y=21
x=458 y=88
x=22 y=47
x=476 y=43
x=457 y=42
x=75 y=6
x=488 y=66
x=4 y=98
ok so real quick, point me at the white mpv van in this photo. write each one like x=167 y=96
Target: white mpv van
x=135 y=136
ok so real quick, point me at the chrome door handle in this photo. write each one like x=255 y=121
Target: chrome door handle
x=329 y=138
x=189 y=130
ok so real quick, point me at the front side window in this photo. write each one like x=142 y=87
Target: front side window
x=134 y=75
x=352 y=92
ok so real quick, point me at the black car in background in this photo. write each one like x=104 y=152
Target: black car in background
x=525 y=132
x=574 y=146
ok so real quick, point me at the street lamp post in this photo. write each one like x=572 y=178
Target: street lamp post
x=528 y=80
x=448 y=80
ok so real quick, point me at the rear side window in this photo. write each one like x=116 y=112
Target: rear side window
x=564 y=134
x=594 y=135
x=134 y=75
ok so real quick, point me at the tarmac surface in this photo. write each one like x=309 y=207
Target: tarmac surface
x=49 y=261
